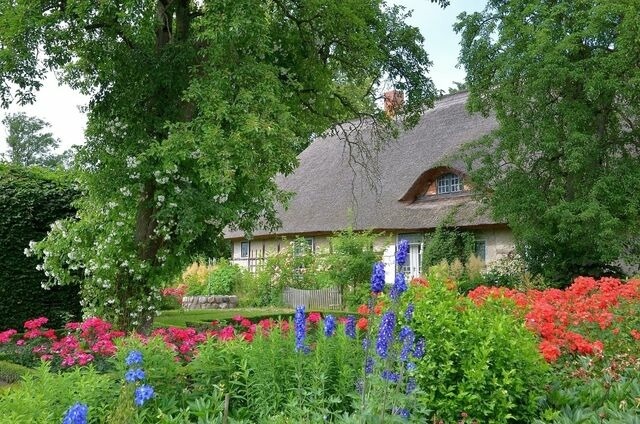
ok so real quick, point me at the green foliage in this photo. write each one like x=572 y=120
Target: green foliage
x=43 y=396
x=447 y=243
x=28 y=144
x=349 y=264
x=31 y=199
x=562 y=169
x=222 y=279
x=511 y=271
x=479 y=360
x=601 y=390
x=195 y=107
x=267 y=378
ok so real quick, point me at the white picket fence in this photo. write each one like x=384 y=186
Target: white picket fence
x=329 y=298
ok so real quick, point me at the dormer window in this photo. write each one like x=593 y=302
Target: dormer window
x=449 y=183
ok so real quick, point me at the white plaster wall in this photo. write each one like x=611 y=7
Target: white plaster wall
x=499 y=242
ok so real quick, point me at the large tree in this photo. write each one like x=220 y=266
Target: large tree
x=29 y=141
x=195 y=107
x=563 y=169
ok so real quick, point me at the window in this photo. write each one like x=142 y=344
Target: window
x=303 y=245
x=481 y=250
x=244 y=249
x=449 y=183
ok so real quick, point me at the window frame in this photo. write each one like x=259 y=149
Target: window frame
x=244 y=254
x=445 y=184
x=477 y=243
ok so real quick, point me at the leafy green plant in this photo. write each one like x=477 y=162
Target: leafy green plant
x=479 y=360
x=447 y=243
x=44 y=396
x=349 y=264
x=224 y=278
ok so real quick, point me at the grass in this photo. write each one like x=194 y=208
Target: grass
x=180 y=318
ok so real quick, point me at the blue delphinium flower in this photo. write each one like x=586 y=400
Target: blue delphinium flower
x=143 y=394
x=350 y=327
x=408 y=314
x=407 y=337
x=133 y=358
x=132 y=376
x=329 y=325
x=402 y=252
x=359 y=386
x=377 y=278
x=385 y=335
x=368 y=365
x=365 y=343
x=411 y=385
x=300 y=328
x=390 y=376
x=399 y=286
x=418 y=349
x=402 y=412
x=76 y=414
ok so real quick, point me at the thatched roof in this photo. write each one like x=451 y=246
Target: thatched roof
x=330 y=197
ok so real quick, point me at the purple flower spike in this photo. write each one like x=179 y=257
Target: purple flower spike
x=402 y=252
x=377 y=278
x=385 y=336
x=329 y=325
x=300 y=328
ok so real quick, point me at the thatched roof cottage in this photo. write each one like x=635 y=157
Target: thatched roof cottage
x=415 y=189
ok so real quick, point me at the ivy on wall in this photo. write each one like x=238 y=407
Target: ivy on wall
x=31 y=199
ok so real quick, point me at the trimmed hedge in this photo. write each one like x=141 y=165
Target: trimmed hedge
x=10 y=372
x=31 y=199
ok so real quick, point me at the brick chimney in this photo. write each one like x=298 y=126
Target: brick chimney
x=393 y=102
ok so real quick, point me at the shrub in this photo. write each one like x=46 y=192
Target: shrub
x=223 y=279
x=10 y=372
x=31 y=199
x=349 y=264
x=480 y=361
x=447 y=243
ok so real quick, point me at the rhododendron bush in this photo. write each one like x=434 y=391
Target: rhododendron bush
x=588 y=318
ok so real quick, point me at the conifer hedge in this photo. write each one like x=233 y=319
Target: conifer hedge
x=31 y=199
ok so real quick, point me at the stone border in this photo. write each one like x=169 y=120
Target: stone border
x=210 y=302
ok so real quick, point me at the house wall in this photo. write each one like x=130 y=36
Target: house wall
x=499 y=243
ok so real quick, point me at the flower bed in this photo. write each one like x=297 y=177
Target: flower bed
x=587 y=318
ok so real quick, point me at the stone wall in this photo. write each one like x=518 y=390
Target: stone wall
x=209 y=302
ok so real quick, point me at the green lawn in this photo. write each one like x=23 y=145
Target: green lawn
x=179 y=317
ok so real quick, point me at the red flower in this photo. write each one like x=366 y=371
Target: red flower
x=314 y=317
x=362 y=324
x=245 y=323
x=635 y=334
x=363 y=310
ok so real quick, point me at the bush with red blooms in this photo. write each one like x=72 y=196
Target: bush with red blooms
x=94 y=340
x=587 y=318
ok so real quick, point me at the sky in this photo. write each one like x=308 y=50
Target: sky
x=59 y=105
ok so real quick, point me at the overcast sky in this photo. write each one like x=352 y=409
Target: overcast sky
x=58 y=105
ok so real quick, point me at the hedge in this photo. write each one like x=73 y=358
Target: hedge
x=31 y=199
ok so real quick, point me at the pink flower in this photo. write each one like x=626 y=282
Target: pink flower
x=20 y=342
x=35 y=323
x=227 y=333
x=5 y=336
x=314 y=317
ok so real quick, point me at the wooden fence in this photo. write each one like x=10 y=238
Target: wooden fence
x=313 y=299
